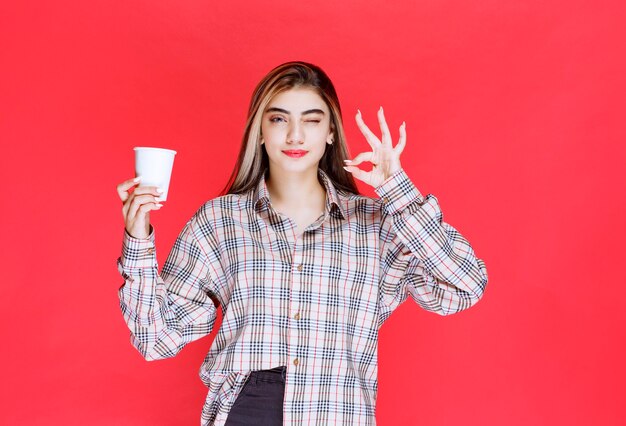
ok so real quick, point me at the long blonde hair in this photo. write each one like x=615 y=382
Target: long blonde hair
x=253 y=162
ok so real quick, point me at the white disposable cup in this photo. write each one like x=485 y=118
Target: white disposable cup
x=154 y=166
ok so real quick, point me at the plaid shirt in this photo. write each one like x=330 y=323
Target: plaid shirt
x=314 y=303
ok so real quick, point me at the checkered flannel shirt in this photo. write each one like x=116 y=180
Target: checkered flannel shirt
x=314 y=303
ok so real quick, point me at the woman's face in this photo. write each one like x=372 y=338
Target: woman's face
x=295 y=130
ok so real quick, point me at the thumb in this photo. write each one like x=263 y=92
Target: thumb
x=364 y=156
x=359 y=174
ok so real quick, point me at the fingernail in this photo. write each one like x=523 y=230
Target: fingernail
x=358 y=111
x=159 y=190
x=137 y=179
x=348 y=161
x=381 y=108
x=403 y=124
x=159 y=205
x=346 y=169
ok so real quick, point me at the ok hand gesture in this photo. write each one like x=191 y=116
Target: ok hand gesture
x=384 y=157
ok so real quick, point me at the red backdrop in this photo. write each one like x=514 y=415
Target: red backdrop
x=513 y=115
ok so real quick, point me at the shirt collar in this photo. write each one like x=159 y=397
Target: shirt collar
x=261 y=195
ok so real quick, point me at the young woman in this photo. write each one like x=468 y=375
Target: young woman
x=306 y=269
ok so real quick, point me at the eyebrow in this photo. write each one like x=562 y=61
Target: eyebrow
x=308 y=111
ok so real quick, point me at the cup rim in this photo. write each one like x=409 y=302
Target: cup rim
x=153 y=148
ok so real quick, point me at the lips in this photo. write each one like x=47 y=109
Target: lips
x=295 y=153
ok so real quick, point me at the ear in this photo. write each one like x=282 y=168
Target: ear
x=330 y=138
x=331 y=133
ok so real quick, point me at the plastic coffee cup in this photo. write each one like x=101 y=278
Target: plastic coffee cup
x=154 y=166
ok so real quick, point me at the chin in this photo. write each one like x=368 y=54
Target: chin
x=296 y=166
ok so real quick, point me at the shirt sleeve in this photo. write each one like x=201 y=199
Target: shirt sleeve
x=421 y=255
x=165 y=311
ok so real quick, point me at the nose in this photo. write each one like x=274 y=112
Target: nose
x=295 y=134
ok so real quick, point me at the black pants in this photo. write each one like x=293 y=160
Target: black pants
x=260 y=401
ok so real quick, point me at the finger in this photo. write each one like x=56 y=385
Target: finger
x=369 y=136
x=126 y=209
x=146 y=208
x=138 y=203
x=122 y=188
x=143 y=209
x=402 y=141
x=155 y=190
x=364 y=156
x=386 y=135
x=361 y=175
x=143 y=190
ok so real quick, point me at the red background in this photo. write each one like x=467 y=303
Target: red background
x=514 y=113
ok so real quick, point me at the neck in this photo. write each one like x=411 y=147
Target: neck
x=295 y=191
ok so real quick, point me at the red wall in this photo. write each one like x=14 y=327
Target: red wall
x=514 y=113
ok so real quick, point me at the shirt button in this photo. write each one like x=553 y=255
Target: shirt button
x=300 y=267
x=150 y=251
x=296 y=362
x=297 y=316
x=386 y=200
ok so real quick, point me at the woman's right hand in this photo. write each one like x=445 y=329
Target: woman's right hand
x=137 y=206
